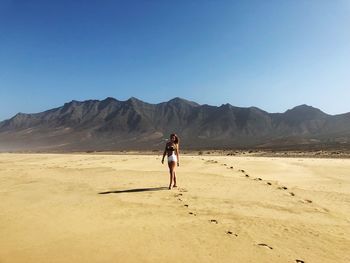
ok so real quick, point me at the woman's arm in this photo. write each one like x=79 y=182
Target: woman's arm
x=177 y=155
x=164 y=154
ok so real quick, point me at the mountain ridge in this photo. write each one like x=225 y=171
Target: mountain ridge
x=111 y=124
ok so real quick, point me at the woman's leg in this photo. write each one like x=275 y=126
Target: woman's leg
x=174 y=185
x=171 y=171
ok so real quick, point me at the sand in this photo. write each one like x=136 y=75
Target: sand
x=116 y=208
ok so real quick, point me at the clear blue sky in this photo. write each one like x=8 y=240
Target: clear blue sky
x=269 y=54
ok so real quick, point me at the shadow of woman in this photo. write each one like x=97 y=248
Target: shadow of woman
x=135 y=190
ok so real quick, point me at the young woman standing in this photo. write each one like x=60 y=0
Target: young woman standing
x=172 y=151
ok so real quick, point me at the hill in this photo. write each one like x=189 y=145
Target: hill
x=111 y=124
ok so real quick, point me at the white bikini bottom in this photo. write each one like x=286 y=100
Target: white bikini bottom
x=172 y=158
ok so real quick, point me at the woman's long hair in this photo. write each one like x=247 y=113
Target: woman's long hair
x=176 y=141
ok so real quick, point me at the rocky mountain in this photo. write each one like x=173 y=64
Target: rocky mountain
x=111 y=124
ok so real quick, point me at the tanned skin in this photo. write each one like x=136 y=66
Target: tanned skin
x=172 y=164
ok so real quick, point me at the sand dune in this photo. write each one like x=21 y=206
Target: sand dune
x=115 y=208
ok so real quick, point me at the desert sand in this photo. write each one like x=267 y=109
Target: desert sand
x=116 y=208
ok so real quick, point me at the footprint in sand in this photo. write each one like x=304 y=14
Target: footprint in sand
x=231 y=233
x=191 y=213
x=268 y=183
x=306 y=201
x=214 y=221
x=265 y=245
x=282 y=188
x=291 y=193
x=247 y=175
x=323 y=210
x=299 y=261
x=186 y=205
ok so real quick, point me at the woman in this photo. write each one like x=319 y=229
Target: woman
x=172 y=151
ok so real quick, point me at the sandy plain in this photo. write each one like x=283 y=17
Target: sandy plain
x=116 y=208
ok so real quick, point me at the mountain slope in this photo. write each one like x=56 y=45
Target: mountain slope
x=111 y=124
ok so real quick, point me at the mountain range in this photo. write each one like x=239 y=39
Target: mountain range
x=111 y=124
